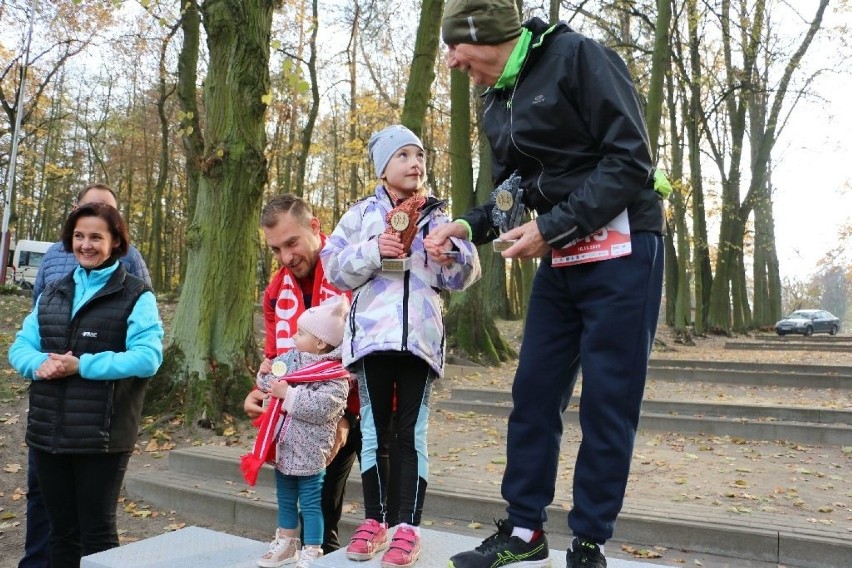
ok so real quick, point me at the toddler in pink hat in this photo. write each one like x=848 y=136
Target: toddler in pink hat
x=309 y=386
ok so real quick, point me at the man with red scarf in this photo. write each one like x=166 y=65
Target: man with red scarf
x=293 y=235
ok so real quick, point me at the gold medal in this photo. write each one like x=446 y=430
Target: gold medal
x=279 y=368
x=504 y=200
x=399 y=221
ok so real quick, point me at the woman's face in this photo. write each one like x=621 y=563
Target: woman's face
x=92 y=242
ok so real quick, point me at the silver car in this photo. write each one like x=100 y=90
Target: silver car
x=808 y=322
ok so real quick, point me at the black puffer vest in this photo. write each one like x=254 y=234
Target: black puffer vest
x=74 y=415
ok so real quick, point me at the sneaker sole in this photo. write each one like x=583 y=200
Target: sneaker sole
x=413 y=560
x=362 y=556
x=269 y=564
x=526 y=564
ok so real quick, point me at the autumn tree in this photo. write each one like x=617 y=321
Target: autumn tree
x=206 y=365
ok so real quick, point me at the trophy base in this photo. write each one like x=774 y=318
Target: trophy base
x=501 y=245
x=396 y=264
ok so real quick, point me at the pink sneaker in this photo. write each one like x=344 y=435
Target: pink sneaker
x=368 y=539
x=404 y=548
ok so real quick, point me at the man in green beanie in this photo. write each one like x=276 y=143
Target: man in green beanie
x=562 y=112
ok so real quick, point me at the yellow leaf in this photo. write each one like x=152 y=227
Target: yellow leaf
x=266 y=99
x=12 y=467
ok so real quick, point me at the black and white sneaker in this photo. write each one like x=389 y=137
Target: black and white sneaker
x=503 y=549
x=585 y=554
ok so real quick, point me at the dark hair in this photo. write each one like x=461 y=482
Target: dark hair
x=286 y=203
x=100 y=186
x=108 y=213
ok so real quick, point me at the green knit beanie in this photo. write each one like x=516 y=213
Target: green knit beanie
x=486 y=22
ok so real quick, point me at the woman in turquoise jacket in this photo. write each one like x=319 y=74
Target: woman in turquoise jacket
x=91 y=342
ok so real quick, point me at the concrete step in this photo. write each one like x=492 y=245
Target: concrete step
x=811 y=377
x=804 y=345
x=659 y=363
x=813 y=415
x=754 y=378
x=796 y=368
x=204 y=548
x=847 y=339
x=207 y=485
x=189 y=547
x=744 y=428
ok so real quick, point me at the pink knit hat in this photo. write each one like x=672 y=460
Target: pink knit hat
x=326 y=321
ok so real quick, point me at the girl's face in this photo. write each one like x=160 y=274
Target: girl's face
x=92 y=242
x=307 y=342
x=405 y=173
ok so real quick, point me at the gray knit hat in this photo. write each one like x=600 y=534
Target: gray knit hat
x=486 y=22
x=385 y=142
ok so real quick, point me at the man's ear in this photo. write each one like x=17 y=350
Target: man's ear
x=315 y=226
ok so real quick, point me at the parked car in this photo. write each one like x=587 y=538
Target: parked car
x=808 y=322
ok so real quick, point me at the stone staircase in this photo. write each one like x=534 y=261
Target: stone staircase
x=204 y=483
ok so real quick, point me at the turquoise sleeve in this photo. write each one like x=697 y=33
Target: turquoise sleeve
x=144 y=353
x=25 y=353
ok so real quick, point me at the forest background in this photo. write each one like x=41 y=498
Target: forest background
x=196 y=112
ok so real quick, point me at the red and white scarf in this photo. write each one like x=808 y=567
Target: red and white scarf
x=269 y=423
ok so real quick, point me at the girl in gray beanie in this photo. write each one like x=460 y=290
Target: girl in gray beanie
x=394 y=337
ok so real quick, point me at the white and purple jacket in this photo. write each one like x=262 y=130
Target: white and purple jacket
x=394 y=311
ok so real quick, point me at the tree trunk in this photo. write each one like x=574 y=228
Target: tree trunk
x=422 y=74
x=155 y=256
x=187 y=95
x=660 y=61
x=763 y=135
x=702 y=268
x=212 y=346
x=352 y=53
x=678 y=298
x=470 y=320
x=308 y=131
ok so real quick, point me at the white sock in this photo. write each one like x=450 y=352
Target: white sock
x=523 y=534
x=412 y=527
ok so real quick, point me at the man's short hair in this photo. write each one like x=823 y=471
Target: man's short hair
x=286 y=203
x=100 y=186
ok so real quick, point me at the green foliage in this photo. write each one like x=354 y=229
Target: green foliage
x=9 y=289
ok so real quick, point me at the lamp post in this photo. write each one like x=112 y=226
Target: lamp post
x=13 y=158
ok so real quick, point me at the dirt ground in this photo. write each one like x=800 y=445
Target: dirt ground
x=809 y=482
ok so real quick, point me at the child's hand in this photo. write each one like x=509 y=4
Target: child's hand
x=279 y=389
x=265 y=367
x=390 y=246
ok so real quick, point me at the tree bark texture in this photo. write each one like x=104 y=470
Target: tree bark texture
x=212 y=345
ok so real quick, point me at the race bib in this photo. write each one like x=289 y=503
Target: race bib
x=612 y=241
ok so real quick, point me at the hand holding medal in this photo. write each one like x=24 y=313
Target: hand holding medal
x=508 y=209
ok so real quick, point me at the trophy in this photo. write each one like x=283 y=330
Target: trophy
x=508 y=209
x=402 y=220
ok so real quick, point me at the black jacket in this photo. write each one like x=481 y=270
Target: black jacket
x=573 y=127
x=75 y=415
